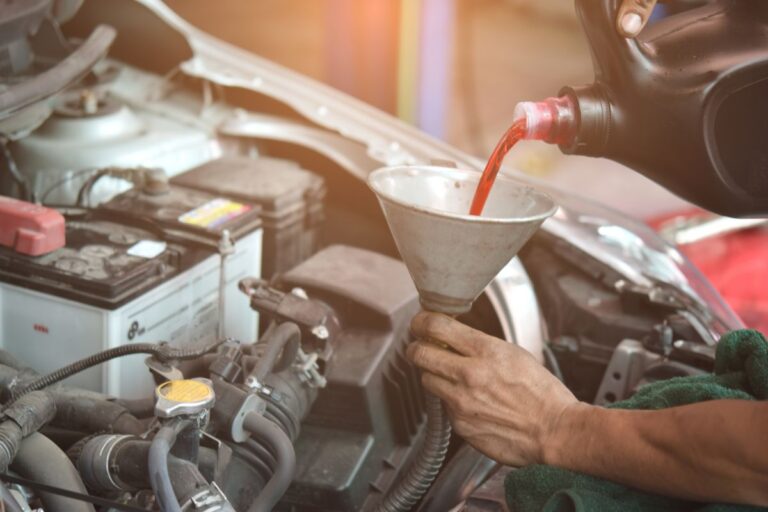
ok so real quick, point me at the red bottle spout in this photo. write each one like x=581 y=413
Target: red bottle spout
x=552 y=120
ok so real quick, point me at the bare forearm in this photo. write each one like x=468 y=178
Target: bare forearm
x=710 y=451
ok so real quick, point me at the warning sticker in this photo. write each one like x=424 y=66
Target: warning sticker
x=147 y=249
x=214 y=213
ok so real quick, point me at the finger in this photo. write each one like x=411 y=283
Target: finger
x=633 y=15
x=444 y=329
x=435 y=360
x=438 y=386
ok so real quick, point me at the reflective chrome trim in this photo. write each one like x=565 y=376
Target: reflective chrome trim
x=512 y=297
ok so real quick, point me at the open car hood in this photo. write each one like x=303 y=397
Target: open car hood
x=362 y=138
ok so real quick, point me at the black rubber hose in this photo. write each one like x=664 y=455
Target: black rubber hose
x=22 y=418
x=159 y=476
x=284 y=339
x=110 y=463
x=10 y=503
x=278 y=415
x=262 y=453
x=86 y=412
x=425 y=467
x=39 y=459
x=162 y=351
x=278 y=443
x=139 y=407
x=259 y=465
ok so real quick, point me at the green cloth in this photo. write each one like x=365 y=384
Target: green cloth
x=741 y=372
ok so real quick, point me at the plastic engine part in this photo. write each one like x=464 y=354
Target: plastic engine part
x=29 y=228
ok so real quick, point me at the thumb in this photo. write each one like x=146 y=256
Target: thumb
x=633 y=15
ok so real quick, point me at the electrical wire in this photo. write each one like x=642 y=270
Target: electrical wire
x=87 y=187
x=162 y=351
x=96 y=500
x=64 y=181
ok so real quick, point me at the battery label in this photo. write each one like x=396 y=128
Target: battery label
x=214 y=213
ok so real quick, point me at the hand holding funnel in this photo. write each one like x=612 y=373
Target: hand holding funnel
x=451 y=255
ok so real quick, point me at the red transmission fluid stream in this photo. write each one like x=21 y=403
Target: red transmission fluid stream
x=552 y=120
x=515 y=133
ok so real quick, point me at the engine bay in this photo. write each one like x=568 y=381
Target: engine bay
x=201 y=305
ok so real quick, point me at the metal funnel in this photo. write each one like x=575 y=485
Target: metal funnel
x=451 y=255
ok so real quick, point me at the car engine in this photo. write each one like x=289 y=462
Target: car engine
x=198 y=312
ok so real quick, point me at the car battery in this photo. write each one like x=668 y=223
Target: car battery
x=123 y=280
x=186 y=214
x=291 y=201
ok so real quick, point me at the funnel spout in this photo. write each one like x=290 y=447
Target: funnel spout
x=451 y=255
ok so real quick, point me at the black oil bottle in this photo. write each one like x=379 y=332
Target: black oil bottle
x=685 y=104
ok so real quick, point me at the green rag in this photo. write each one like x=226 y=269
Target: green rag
x=741 y=372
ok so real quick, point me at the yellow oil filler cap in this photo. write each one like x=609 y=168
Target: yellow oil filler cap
x=187 y=397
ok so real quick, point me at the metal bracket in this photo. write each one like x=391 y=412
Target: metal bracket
x=624 y=371
x=211 y=499
x=308 y=370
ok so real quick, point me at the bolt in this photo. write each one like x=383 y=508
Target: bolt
x=252 y=383
x=320 y=332
x=89 y=102
x=226 y=247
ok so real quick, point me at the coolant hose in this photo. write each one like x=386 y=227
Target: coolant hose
x=161 y=351
x=284 y=339
x=425 y=467
x=86 y=412
x=22 y=418
x=278 y=443
x=39 y=459
x=159 y=476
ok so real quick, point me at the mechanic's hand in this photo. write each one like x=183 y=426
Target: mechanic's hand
x=633 y=15
x=500 y=399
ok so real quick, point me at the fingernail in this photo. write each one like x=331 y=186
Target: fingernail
x=631 y=23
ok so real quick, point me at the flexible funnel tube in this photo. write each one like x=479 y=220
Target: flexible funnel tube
x=425 y=467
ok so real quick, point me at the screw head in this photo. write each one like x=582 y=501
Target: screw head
x=252 y=383
x=320 y=332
